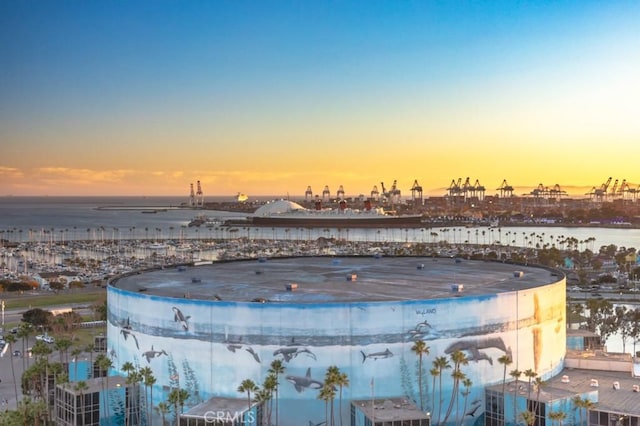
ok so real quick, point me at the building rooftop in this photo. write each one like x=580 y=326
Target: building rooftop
x=337 y=279
x=219 y=408
x=620 y=399
x=96 y=384
x=390 y=409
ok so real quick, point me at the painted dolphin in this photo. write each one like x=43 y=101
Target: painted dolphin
x=300 y=383
x=376 y=355
x=252 y=352
x=178 y=316
x=150 y=354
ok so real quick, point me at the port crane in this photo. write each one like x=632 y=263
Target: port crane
x=308 y=194
x=393 y=194
x=557 y=192
x=505 y=189
x=598 y=194
x=199 y=196
x=326 y=194
x=624 y=190
x=614 y=188
x=192 y=196
x=416 y=192
x=455 y=188
x=375 y=194
x=478 y=190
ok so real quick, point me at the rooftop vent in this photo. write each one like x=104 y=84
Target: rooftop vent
x=457 y=288
x=594 y=383
x=565 y=379
x=616 y=385
x=636 y=388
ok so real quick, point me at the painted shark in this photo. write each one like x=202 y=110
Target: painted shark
x=300 y=383
x=178 y=316
x=376 y=355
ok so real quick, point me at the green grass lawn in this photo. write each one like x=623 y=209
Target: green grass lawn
x=29 y=301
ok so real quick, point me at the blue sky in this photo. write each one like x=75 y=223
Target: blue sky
x=269 y=97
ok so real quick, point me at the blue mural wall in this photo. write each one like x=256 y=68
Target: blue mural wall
x=209 y=347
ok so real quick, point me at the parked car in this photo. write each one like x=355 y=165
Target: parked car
x=45 y=338
x=17 y=353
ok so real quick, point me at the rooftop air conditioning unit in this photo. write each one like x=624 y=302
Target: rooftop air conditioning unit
x=565 y=379
x=518 y=274
x=616 y=385
x=636 y=388
x=594 y=383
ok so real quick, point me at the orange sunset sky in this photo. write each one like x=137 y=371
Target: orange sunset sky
x=266 y=98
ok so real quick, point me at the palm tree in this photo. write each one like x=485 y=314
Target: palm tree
x=62 y=345
x=538 y=382
x=458 y=358
x=149 y=381
x=530 y=374
x=177 y=397
x=133 y=379
x=516 y=375
x=262 y=397
x=270 y=385
x=89 y=348
x=505 y=360
x=248 y=386
x=582 y=404
x=435 y=372
x=467 y=383
x=75 y=353
x=104 y=363
x=128 y=368
x=341 y=380
x=528 y=417
x=327 y=393
x=441 y=363
x=421 y=349
x=24 y=331
x=11 y=339
x=276 y=368
x=81 y=386
x=162 y=409
x=558 y=416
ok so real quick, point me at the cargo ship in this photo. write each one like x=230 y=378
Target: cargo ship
x=287 y=213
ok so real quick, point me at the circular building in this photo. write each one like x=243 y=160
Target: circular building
x=207 y=328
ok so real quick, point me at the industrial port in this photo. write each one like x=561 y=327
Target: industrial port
x=614 y=202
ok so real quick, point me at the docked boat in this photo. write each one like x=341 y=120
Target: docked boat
x=287 y=213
